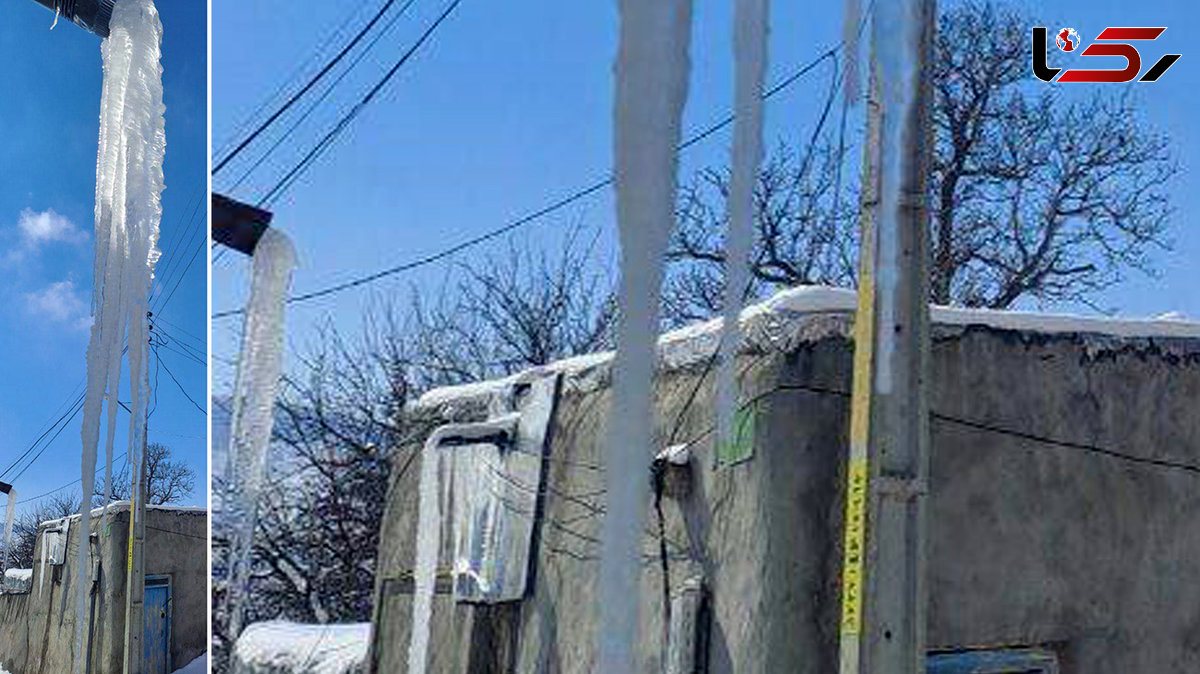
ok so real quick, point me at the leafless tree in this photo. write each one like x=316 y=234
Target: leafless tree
x=168 y=480
x=24 y=536
x=520 y=307
x=1034 y=194
x=805 y=232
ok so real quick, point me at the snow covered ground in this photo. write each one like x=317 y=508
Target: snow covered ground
x=277 y=647
x=197 y=666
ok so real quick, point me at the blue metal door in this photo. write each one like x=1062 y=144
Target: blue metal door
x=157 y=639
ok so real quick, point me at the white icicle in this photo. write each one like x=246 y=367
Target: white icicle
x=652 y=72
x=129 y=184
x=9 y=513
x=42 y=565
x=260 y=368
x=435 y=488
x=851 y=20
x=750 y=56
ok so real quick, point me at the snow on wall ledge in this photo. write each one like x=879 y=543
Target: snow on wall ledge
x=277 y=647
x=121 y=506
x=810 y=313
x=17 y=581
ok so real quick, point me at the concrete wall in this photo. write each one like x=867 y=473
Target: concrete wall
x=1030 y=543
x=39 y=629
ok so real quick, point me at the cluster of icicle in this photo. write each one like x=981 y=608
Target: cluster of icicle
x=653 y=67
x=260 y=368
x=440 y=476
x=129 y=184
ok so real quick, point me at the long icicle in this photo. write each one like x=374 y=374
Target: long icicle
x=129 y=183
x=750 y=55
x=260 y=367
x=652 y=72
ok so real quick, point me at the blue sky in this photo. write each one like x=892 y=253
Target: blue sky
x=509 y=108
x=50 y=112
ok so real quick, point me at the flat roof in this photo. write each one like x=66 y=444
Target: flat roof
x=694 y=342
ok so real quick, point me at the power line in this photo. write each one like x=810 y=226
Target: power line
x=542 y=212
x=1014 y=433
x=325 y=142
x=287 y=81
x=73 y=409
x=311 y=83
x=57 y=489
x=78 y=402
x=181 y=389
x=324 y=95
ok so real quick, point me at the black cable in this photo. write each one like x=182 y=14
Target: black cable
x=179 y=281
x=325 y=94
x=538 y=214
x=311 y=83
x=1023 y=435
x=77 y=403
x=177 y=533
x=181 y=389
x=48 y=443
x=58 y=489
x=287 y=81
x=315 y=153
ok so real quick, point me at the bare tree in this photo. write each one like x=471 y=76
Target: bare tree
x=167 y=480
x=805 y=232
x=515 y=309
x=1032 y=195
x=25 y=528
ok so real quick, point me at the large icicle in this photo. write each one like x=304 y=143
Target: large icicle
x=129 y=184
x=750 y=56
x=9 y=512
x=652 y=71
x=433 y=500
x=260 y=368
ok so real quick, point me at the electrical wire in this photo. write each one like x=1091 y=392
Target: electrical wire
x=315 y=104
x=315 y=153
x=303 y=90
x=540 y=213
x=181 y=389
x=289 y=80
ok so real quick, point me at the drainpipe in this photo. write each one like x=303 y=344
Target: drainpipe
x=90 y=15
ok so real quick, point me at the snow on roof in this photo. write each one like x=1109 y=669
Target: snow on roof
x=691 y=343
x=121 y=506
x=276 y=646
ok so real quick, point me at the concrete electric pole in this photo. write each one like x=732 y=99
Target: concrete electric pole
x=135 y=577
x=883 y=578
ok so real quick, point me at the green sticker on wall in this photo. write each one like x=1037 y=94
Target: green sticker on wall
x=740 y=446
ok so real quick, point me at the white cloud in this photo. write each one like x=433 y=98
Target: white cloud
x=46 y=226
x=60 y=302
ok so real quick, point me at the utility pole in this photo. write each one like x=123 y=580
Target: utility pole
x=883 y=578
x=135 y=578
